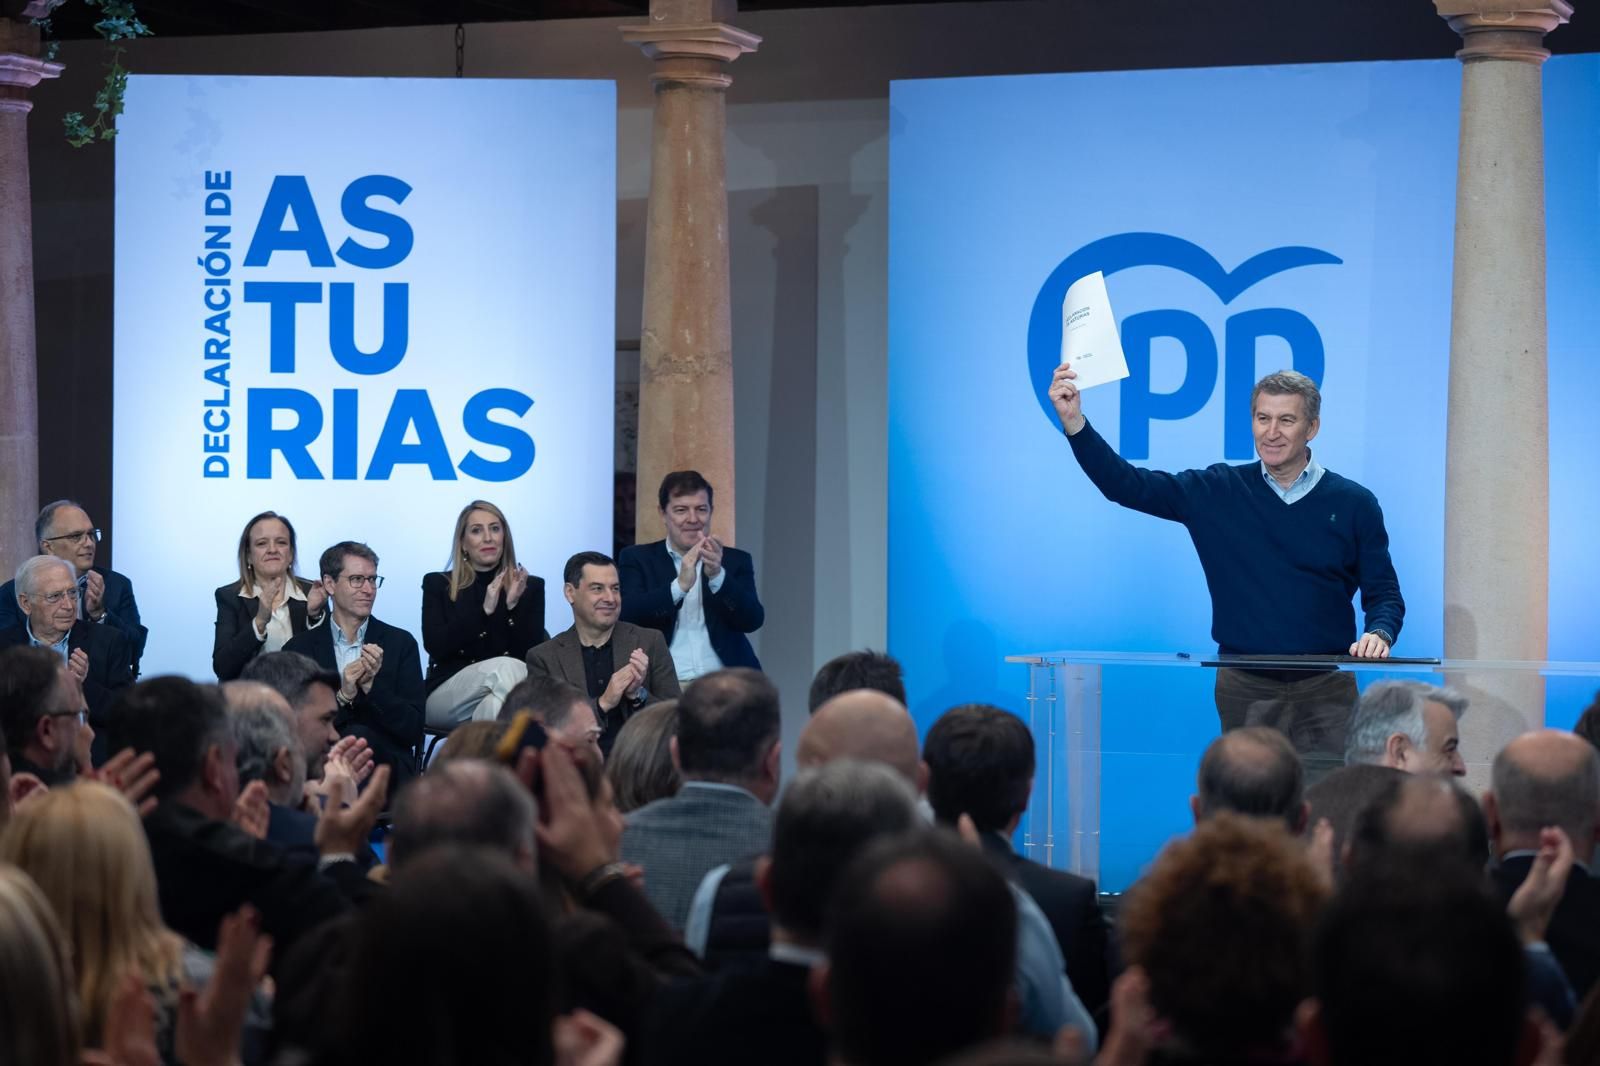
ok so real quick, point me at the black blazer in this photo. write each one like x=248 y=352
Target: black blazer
x=390 y=716
x=457 y=633
x=722 y=1018
x=1072 y=906
x=647 y=573
x=122 y=611
x=235 y=643
x=1574 y=933
x=110 y=670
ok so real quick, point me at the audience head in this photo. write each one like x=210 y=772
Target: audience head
x=185 y=726
x=827 y=817
x=1421 y=818
x=640 y=768
x=264 y=732
x=686 y=500
x=590 y=583
x=1409 y=726
x=728 y=731
x=1588 y=724
x=311 y=693
x=469 y=740
x=1253 y=771
x=481 y=542
x=63 y=530
x=85 y=848
x=1341 y=796
x=47 y=592
x=267 y=550
x=350 y=578
x=464 y=802
x=1545 y=778
x=863 y=724
x=39 y=1022
x=920 y=939
x=857 y=669
x=42 y=712
x=1221 y=926
x=1415 y=966
x=562 y=708
x=980 y=763
x=451 y=904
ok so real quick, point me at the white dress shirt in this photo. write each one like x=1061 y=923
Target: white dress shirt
x=279 y=627
x=691 y=649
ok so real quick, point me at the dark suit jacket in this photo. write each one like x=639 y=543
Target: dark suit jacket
x=390 y=716
x=109 y=670
x=756 y=1012
x=122 y=612
x=457 y=633
x=562 y=657
x=235 y=643
x=207 y=869
x=1574 y=933
x=1072 y=906
x=647 y=573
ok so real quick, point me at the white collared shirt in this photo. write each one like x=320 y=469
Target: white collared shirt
x=279 y=627
x=345 y=652
x=691 y=649
x=1299 y=486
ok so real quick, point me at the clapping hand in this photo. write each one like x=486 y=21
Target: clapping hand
x=626 y=680
x=355 y=755
x=372 y=660
x=133 y=775
x=686 y=574
x=211 y=1022
x=491 y=595
x=516 y=585
x=710 y=557
x=342 y=829
x=78 y=664
x=268 y=591
x=94 y=596
x=251 y=812
x=316 y=601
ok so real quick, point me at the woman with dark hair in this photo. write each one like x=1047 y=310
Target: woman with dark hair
x=269 y=603
x=480 y=615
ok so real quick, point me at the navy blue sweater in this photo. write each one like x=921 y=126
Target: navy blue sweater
x=1281 y=575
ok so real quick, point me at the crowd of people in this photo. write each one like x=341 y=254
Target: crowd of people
x=602 y=862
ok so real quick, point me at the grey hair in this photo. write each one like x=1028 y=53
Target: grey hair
x=1390 y=707
x=1529 y=801
x=47 y=514
x=262 y=727
x=465 y=801
x=32 y=569
x=1290 y=383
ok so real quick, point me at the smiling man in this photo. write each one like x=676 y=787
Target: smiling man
x=619 y=666
x=1285 y=543
x=105 y=597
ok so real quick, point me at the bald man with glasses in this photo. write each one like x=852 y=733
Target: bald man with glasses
x=105 y=597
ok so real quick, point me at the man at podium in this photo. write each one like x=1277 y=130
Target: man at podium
x=1284 y=543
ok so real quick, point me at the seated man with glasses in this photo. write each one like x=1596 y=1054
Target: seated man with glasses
x=42 y=713
x=47 y=593
x=105 y=597
x=380 y=693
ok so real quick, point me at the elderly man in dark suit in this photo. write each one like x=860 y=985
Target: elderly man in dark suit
x=620 y=666
x=381 y=694
x=105 y=597
x=728 y=751
x=47 y=593
x=698 y=592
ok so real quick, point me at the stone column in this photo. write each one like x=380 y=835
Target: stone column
x=20 y=70
x=686 y=344
x=1497 y=492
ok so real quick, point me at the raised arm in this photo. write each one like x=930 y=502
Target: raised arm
x=1381 y=602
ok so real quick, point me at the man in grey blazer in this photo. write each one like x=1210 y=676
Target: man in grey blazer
x=620 y=666
x=727 y=750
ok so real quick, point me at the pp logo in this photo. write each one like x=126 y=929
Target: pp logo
x=1141 y=406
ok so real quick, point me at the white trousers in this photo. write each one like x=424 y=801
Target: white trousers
x=475 y=693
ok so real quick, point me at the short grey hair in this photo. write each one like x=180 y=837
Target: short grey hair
x=47 y=514
x=261 y=729
x=33 y=568
x=466 y=802
x=1529 y=801
x=1290 y=383
x=1390 y=707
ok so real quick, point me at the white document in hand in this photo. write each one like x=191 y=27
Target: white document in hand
x=1089 y=338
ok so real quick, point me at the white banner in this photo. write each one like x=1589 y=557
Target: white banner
x=361 y=303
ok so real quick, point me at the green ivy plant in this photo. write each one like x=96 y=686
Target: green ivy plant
x=118 y=23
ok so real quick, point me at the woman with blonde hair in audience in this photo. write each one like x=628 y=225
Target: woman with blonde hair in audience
x=640 y=768
x=480 y=615
x=86 y=850
x=38 y=1007
x=269 y=603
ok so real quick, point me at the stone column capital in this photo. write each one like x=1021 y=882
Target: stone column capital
x=1503 y=29
x=20 y=66
x=693 y=53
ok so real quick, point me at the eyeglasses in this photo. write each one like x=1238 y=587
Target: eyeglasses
x=357 y=581
x=82 y=716
x=77 y=538
x=53 y=598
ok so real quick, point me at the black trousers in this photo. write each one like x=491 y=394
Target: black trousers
x=1312 y=709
